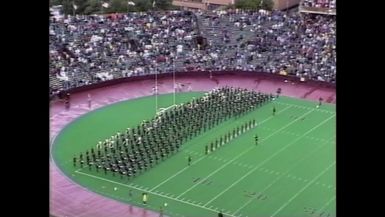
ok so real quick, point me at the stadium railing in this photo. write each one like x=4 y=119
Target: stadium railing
x=191 y=74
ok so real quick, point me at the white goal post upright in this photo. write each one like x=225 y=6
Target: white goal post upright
x=156 y=91
x=174 y=86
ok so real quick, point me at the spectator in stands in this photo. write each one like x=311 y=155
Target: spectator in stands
x=89 y=49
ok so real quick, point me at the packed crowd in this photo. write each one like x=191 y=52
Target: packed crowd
x=276 y=42
x=137 y=149
x=89 y=49
x=319 y=3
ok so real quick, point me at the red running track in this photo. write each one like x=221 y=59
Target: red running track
x=68 y=199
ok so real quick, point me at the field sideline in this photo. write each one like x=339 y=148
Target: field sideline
x=290 y=173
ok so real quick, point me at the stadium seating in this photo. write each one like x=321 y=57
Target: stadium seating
x=90 y=49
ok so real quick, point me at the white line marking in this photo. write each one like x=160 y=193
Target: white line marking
x=283 y=175
x=304 y=107
x=300 y=191
x=244 y=152
x=175 y=199
x=201 y=158
x=180 y=171
x=308 y=137
x=327 y=203
x=269 y=158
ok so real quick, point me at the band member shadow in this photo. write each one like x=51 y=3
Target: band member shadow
x=316 y=213
x=202 y=181
x=255 y=195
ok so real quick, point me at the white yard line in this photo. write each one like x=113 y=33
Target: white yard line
x=305 y=107
x=297 y=134
x=269 y=158
x=154 y=193
x=301 y=190
x=201 y=158
x=327 y=203
x=180 y=171
x=283 y=174
x=242 y=153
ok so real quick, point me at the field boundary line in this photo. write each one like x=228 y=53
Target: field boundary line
x=327 y=203
x=282 y=174
x=305 y=107
x=269 y=158
x=244 y=152
x=202 y=157
x=160 y=195
x=301 y=190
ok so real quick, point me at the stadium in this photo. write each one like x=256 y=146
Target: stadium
x=225 y=111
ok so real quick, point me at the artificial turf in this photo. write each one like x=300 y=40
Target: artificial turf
x=290 y=173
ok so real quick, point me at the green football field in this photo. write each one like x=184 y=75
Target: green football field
x=290 y=173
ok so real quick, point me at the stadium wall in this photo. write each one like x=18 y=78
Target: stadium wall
x=284 y=4
x=192 y=74
x=67 y=198
x=278 y=4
